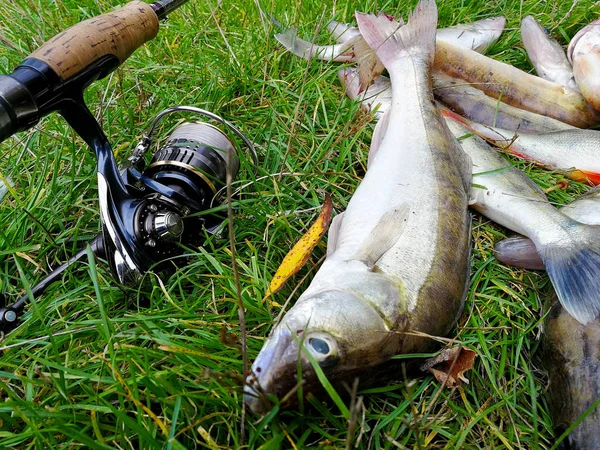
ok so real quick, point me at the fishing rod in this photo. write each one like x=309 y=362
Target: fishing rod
x=149 y=211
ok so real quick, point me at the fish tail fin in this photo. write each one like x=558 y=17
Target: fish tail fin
x=573 y=265
x=290 y=40
x=308 y=50
x=369 y=65
x=392 y=41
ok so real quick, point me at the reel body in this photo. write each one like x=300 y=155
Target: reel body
x=183 y=180
x=151 y=212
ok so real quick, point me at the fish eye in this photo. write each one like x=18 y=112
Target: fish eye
x=322 y=347
x=319 y=345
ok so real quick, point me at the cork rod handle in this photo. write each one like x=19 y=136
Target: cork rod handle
x=117 y=33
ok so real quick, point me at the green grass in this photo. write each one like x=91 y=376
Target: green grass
x=95 y=367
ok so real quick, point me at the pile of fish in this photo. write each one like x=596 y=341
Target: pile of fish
x=397 y=266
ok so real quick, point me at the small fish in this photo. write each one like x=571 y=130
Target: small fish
x=457 y=95
x=575 y=151
x=571 y=358
x=519 y=251
x=399 y=260
x=584 y=54
x=547 y=56
x=515 y=87
x=307 y=50
x=472 y=103
x=570 y=250
x=478 y=36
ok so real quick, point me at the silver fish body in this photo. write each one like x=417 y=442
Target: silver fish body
x=519 y=251
x=399 y=255
x=479 y=36
x=584 y=54
x=547 y=56
x=574 y=151
x=570 y=250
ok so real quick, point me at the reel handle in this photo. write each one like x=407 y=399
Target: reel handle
x=10 y=314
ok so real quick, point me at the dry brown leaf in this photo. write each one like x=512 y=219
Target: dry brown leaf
x=450 y=365
x=299 y=254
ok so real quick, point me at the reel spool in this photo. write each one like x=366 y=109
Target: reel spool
x=185 y=178
x=193 y=162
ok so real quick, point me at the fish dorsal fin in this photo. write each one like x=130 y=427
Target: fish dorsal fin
x=334 y=232
x=385 y=234
x=380 y=129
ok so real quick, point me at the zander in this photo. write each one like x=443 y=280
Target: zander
x=571 y=356
x=398 y=257
x=459 y=96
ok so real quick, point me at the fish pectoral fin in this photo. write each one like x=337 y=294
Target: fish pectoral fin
x=334 y=232
x=385 y=234
x=378 y=134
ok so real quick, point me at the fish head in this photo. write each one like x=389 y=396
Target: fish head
x=593 y=27
x=335 y=329
x=545 y=53
x=584 y=53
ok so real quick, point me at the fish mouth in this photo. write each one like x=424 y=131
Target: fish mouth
x=577 y=37
x=498 y=23
x=533 y=35
x=265 y=378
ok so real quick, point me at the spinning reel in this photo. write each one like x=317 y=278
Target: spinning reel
x=150 y=211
